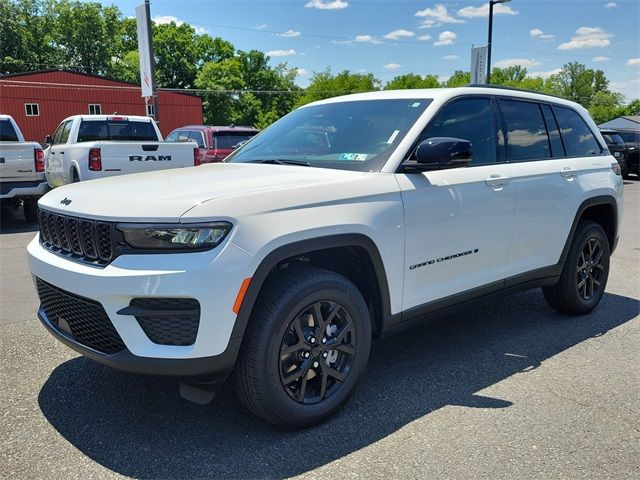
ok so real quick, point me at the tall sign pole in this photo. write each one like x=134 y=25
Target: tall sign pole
x=147 y=60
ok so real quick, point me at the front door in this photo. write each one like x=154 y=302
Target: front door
x=458 y=222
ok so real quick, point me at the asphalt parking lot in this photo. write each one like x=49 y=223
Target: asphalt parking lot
x=509 y=389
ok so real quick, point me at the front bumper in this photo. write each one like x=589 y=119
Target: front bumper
x=213 y=278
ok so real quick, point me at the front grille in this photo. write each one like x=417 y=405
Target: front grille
x=167 y=321
x=82 y=319
x=87 y=240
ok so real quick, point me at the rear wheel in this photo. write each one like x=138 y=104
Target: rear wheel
x=306 y=348
x=585 y=273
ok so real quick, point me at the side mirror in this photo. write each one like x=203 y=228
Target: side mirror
x=48 y=140
x=439 y=153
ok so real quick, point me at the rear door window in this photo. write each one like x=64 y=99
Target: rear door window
x=183 y=136
x=577 y=137
x=527 y=137
x=7 y=132
x=469 y=119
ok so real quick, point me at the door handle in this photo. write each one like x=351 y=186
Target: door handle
x=568 y=172
x=62 y=152
x=497 y=181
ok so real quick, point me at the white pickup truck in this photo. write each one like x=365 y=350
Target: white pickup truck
x=86 y=147
x=21 y=169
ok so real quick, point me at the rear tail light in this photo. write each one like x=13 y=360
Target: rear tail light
x=615 y=166
x=95 y=160
x=38 y=158
x=196 y=157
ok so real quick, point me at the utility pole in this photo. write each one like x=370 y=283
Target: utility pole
x=491 y=4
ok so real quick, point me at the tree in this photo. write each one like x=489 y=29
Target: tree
x=633 y=108
x=511 y=76
x=606 y=106
x=577 y=83
x=458 y=79
x=325 y=85
x=411 y=80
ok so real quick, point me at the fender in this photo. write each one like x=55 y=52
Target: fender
x=307 y=246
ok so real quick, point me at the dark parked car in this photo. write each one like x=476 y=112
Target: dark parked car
x=214 y=143
x=632 y=141
x=617 y=148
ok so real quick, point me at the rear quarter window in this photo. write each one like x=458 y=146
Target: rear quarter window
x=7 y=132
x=577 y=136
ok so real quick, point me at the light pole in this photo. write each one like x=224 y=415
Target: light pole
x=491 y=4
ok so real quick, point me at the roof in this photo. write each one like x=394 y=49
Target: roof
x=629 y=122
x=221 y=128
x=443 y=94
x=89 y=75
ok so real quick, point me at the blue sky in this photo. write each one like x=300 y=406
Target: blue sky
x=392 y=37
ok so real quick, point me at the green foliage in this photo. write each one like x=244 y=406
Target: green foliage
x=458 y=79
x=237 y=87
x=325 y=85
x=411 y=80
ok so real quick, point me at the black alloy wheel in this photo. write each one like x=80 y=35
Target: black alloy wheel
x=590 y=269
x=317 y=352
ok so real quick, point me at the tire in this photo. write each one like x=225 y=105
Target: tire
x=570 y=294
x=284 y=312
x=30 y=207
x=75 y=178
x=625 y=171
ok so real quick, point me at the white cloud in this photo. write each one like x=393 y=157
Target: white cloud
x=289 y=34
x=166 y=19
x=262 y=26
x=424 y=37
x=537 y=33
x=302 y=72
x=445 y=38
x=611 y=5
x=546 y=74
x=601 y=59
x=342 y=42
x=523 y=62
x=483 y=11
x=588 y=37
x=450 y=57
x=397 y=34
x=281 y=53
x=391 y=66
x=436 y=16
x=366 y=39
x=633 y=62
x=327 y=5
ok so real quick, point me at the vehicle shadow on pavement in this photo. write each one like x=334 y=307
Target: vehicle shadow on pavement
x=12 y=221
x=139 y=427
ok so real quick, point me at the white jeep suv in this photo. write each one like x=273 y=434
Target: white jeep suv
x=347 y=219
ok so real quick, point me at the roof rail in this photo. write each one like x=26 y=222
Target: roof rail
x=501 y=87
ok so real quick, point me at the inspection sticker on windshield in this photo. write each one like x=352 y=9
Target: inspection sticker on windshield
x=359 y=157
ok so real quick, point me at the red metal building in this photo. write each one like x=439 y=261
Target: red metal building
x=38 y=101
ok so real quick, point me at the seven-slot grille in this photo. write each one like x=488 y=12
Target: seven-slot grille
x=82 y=319
x=87 y=240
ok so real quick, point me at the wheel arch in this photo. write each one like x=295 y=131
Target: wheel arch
x=316 y=248
x=603 y=210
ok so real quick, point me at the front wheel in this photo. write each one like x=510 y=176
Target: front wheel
x=306 y=347
x=585 y=273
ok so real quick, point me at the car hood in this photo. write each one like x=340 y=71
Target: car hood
x=168 y=194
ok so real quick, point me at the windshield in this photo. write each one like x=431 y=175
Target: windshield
x=356 y=135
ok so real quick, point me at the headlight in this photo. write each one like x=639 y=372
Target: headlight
x=617 y=154
x=200 y=236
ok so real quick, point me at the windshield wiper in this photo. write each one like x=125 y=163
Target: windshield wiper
x=281 y=161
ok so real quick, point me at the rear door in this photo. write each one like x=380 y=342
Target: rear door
x=550 y=165
x=16 y=158
x=458 y=222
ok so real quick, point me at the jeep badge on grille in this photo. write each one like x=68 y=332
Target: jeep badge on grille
x=65 y=201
